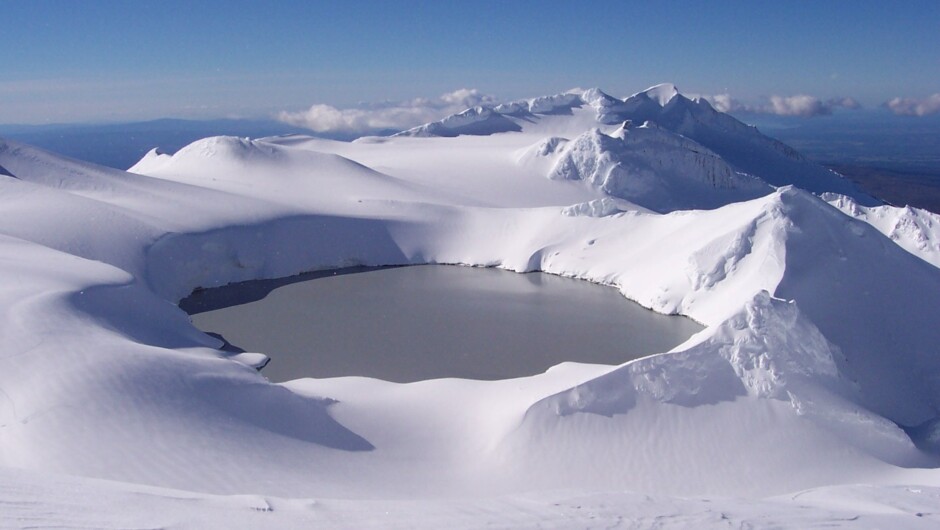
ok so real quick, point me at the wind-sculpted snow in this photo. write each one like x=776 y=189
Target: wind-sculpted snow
x=767 y=356
x=596 y=208
x=820 y=344
x=608 y=109
x=654 y=168
x=767 y=350
x=719 y=258
x=914 y=229
x=894 y=357
x=557 y=104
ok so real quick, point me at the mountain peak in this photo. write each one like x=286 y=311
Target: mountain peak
x=662 y=93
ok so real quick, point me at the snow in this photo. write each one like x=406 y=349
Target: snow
x=46 y=500
x=914 y=229
x=703 y=129
x=810 y=397
x=662 y=93
x=654 y=168
x=475 y=121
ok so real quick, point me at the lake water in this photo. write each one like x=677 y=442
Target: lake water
x=409 y=324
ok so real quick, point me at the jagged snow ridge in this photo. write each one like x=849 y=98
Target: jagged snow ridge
x=474 y=121
x=558 y=103
x=652 y=167
x=820 y=344
x=915 y=229
x=741 y=146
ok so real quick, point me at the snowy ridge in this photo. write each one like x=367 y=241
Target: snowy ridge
x=606 y=108
x=916 y=230
x=740 y=146
x=768 y=350
x=654 y=168
x=258 y=169
x=40 y=167
x=760 y=350
x=476 y=121
x=662 y=93
x=152 y=160
x=556 y=104
x=819 y=356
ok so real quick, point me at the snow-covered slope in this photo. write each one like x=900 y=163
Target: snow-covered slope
x=476 y=121
x=651 y=167
x=916 y=230
x=740 y=146
x=55 y=501
x=818 y=366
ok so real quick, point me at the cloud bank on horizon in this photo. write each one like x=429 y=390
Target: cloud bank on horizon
x=401 y=115
x=385 y=115
x=915 y=106
x=801 y=105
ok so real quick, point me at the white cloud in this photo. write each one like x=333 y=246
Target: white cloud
x=914 y=106
x=724 y=102
x=846 y=103
x=386 y=115
x=798 y=105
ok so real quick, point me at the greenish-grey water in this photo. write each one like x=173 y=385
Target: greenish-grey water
x=413 y=323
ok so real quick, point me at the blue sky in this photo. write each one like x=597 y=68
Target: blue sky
x=68 y=61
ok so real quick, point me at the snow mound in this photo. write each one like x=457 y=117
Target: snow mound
x=653 y=168
x=152 y=161
x=252 y=360
x=915 y=230
x=232 y=148
x=602 y=207
x=765 y=350
x=768 y=350
x=262 y=169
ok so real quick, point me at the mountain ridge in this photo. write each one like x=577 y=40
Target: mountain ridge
x=742 y=146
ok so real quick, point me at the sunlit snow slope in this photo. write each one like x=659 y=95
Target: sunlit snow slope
x=818 y=367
